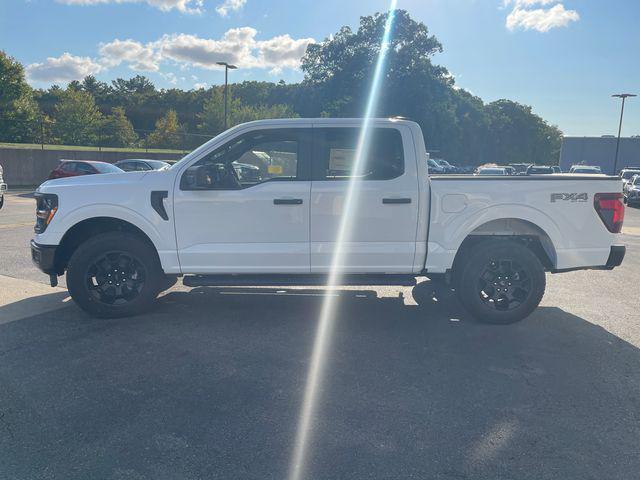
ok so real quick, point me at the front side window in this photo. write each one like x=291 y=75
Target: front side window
x=335 y=154
x=257 y=157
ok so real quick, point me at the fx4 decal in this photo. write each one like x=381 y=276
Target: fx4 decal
x=569 y=197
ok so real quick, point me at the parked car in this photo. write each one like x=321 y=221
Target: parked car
x=122 y=239
x=586 y=169
x=491 y=171
x=509 y=169
x=626 y=174
x=434 y=167
x=521 y=168
x=75 y=168
x=446 y=166
x=539 y=170
x=141 y=165
x=556 y=169
x=3 y=187
x=632 y=192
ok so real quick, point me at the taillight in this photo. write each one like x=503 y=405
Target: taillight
x=610 y=208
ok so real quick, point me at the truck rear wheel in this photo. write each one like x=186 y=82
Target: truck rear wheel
x=502 y=282
x=114 y=275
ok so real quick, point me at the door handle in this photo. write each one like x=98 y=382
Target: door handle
x=287 y=201
x=395 y=201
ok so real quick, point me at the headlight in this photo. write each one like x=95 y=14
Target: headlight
x=46 y=208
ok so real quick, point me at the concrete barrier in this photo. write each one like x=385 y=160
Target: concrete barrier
x=26 y=166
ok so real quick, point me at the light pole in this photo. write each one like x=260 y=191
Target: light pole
x=227 y=67
x=623 y=96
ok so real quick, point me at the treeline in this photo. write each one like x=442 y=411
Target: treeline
x=132 y=112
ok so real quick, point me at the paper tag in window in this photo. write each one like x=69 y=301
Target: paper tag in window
x=341 y=159
x=275 y=169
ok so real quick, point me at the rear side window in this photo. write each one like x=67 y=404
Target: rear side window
x=334 y=154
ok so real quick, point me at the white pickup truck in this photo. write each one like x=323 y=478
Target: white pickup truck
x=123 y=238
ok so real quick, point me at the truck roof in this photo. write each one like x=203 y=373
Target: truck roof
x=324 y=120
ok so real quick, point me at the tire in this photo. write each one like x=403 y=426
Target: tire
x=1 y=201
x=501 y=282
x=98 y=272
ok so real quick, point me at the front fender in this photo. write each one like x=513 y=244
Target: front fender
x=61 y=224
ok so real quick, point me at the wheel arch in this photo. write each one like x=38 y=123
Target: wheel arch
x=85 y=229
x=519 y=230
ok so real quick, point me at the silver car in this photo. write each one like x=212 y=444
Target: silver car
x=632 y=192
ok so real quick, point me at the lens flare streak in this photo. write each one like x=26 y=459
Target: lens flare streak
x=326 y=321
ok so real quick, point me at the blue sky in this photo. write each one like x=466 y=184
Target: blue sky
x=563 y=57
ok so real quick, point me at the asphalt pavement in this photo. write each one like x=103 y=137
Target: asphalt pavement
x=209 y=384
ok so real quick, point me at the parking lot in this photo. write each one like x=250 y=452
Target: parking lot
x=209 y=384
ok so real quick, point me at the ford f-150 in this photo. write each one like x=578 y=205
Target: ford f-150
x=122 y=238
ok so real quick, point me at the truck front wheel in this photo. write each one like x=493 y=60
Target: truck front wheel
x=114 y=275
x=501 y=282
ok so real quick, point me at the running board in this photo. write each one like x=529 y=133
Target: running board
x=243 y=280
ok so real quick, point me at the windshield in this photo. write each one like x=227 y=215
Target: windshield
x=157 y=164
x=491 y=171
x=539 y=170
x=107 y=168
x=627 y=174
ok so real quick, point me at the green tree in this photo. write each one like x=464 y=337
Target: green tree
x=518 y=135
x=168 y=132
x=77 y=119
x=117 y=130
x=248 y=113
x=212 y=116
x=18 y=110
x=211 y=119
x=456 y=124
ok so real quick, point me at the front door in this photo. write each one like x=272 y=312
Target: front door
x=381 y=236
x=244 y=208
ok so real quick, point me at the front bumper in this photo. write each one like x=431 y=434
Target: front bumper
x=43 y=257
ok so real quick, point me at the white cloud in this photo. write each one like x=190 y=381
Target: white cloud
x=229 y=5
x=185 y=6
x=234 y=47
x=64 y=68
x=237 y=46
x=282 y=51
x=198 y=86
x=139 y=57
x=541 y=19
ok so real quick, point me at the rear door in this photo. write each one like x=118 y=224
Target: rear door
x=382 y=233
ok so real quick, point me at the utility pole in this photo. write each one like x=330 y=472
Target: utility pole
x=227 y=67
x=624 y=97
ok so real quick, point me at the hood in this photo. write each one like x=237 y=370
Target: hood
x=97 y=180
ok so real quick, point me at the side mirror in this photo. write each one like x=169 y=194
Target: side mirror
x=205 y=177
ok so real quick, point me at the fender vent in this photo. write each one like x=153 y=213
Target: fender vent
x=157 y=202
